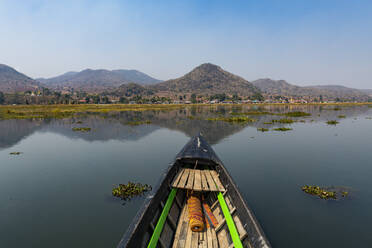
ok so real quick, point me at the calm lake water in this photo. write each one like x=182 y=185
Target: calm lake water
x=57 y=193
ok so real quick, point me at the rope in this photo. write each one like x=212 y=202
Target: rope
x=196 y=217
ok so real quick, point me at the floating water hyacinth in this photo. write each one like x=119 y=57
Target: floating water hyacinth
x=137 y=123
x=297 y=114
x=129 y=190
x=81 y=129
x=326 y=192
x=238 y=119
x=15 y=153
x=285 y=121
x=282 y=129
x=332 y=122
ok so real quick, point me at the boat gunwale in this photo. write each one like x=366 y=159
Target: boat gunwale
x=261 y=234
x=132 y=228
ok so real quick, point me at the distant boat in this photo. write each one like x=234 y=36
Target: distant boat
x=163 y=220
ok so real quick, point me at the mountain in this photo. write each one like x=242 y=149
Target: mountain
x=13 y=81
x=208 y=79
x=56 y=80
x=367 y=91
x=98 y=80
x=132 y=89
x=339 y=91
x=283 y=88
x=138 y=77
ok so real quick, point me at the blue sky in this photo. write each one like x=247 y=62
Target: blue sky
x=304 y=42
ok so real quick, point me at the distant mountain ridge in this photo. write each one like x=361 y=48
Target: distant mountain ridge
x=98 y=80
x=367 y=91
x=13 y=81
x=205 y=79
x=283 y=88
x=208 y=79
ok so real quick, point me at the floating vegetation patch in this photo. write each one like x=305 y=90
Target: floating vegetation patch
x=284 y=121
x=239 y=119
x=333 y=122
x=81 y=129
x=79 y=122
x=263 y=129
x=282 y=129
x=137 y=123
x=253 y=113
x=191 y=117
x=326 y=192
x=64 y=111
x=130 y=190
x=342 y=116
x=15 y=153
x=337 y=108
x=316 y=190
x=369 y=118
x=268 y=123
x=297 y=114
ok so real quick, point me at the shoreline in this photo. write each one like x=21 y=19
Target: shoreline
x=68 y=110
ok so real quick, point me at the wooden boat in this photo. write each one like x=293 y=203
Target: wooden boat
x=163 y=219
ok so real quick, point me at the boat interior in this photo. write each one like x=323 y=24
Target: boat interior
x=201 y=179
x=195 y=204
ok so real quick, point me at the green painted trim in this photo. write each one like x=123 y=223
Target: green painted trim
x=230 y=222
x=159 y=226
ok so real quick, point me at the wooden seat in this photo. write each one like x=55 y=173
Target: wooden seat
x=198 y=180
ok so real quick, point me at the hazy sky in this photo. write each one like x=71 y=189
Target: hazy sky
x=303 y=41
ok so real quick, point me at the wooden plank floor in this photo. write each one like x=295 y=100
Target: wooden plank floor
x=198 y=180
x=185 y=238
x=217 y=237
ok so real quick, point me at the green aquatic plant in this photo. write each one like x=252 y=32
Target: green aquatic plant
x=268 y=123
x=333 y=122
x=15 y=153
x=282 y=129
x=253 y=113
x=191 y=117
x=284 y=121
x=297 y=114
x=129 y=190
x=79 y=122
x=369 y=118
x=60 y=111
x=320 y=192
x=238 y=119
x=81 y=129
x=344 y=193
x=342 y=116
x=137 y=123
x=263 y=129
x=337 y=108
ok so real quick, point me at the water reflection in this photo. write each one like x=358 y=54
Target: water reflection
x=62 y=182
x=123 y=126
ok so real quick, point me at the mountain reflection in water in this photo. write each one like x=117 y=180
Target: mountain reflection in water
x=119 y=126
